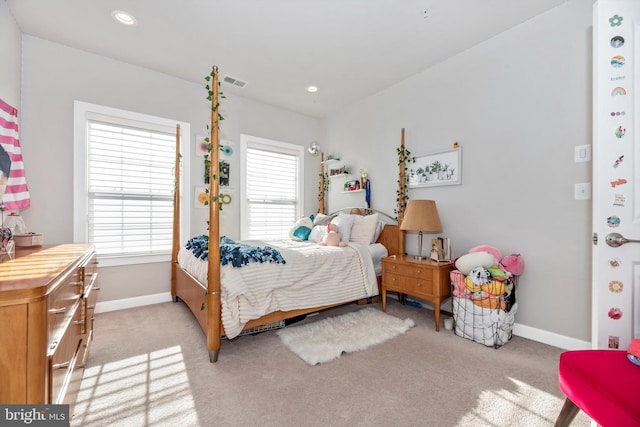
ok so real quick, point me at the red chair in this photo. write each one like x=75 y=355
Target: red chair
x=604 y=384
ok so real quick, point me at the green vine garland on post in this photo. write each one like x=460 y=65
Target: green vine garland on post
x=207 y=161
x=323 y=185
x=404 y=155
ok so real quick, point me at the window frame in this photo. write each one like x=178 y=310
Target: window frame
x=245 y=142
x=84 y=111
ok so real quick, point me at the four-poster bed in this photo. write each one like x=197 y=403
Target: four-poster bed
x=204 y=299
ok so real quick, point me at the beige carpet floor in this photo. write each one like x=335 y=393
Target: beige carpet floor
x=149 y=366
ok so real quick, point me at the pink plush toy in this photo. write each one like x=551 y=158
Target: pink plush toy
x=486 y=248
x=513 y=263
x=332 y=237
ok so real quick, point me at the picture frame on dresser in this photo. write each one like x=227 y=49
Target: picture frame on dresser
x=437 y=168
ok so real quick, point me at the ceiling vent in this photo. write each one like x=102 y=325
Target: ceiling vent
x=234 y=81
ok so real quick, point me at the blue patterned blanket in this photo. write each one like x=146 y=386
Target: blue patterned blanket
x=234 y=253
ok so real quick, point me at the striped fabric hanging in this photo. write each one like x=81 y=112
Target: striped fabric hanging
x=16 y=195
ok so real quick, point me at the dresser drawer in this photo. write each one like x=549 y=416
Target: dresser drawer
x=408 y=285
x=62 y=360
x=88 y=303
x=60 y=307
x=417 y=271
x=89 y=273
x=88 y=307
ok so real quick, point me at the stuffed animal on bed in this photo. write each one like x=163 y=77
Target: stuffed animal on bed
x=332 y=237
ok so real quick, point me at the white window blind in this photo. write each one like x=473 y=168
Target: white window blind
x=272 y=189
x=130 y=186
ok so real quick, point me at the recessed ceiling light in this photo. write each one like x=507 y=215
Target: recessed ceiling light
x=124 y=17
x=312 y=89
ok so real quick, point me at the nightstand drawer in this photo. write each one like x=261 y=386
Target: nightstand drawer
x=417 y=270
x=408 y=285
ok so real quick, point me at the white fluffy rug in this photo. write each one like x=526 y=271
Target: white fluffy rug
x=327 y=339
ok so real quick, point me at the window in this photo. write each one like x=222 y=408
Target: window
x=271 y=184
x=124 y=182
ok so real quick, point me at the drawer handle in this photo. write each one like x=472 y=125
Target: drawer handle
x=394 y=267
x=89 y=273
x=419 y=271
x=75 y=284
x=62 y=365
x=57 y=310
x=419 y=285
x=91 y=307
x=78 y=322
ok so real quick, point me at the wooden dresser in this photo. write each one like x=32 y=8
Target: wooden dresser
x=47 y=299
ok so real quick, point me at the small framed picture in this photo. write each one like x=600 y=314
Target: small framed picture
x=201 y=197
x=227 y=148
x=352 y=185
x=202 y=143
x=225 y=173
x=434 y=169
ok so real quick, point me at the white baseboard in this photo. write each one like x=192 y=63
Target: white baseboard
x=535 y=334
x=121 y=304
x=550 y=338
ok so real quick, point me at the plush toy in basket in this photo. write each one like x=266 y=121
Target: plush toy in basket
x=484 y=295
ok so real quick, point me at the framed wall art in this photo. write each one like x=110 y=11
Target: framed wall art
x=201 y=145
x=201 y=197
x=434 y=169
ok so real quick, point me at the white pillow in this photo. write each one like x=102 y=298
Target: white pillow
x=344 y=223
x=364 y=229
x=379 y=229
x=322 y=219
x=316 y=233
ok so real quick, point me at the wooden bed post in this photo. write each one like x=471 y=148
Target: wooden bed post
x=176 y=217
x=402 y=193
x=322 y=195
x=214 y=309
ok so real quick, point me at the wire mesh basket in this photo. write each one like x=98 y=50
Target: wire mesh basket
x=484 y=313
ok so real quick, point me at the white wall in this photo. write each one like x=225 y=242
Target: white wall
x=10 y=63
x=517 y=104
x=53 y=76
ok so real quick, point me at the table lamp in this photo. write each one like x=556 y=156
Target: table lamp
x=421 y=216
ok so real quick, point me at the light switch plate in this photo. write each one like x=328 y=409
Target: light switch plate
x=583 y=153
x=582 y=191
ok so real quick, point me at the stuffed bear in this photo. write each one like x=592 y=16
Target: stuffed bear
x=332 y=237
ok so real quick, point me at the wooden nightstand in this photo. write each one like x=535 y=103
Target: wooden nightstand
x=424 y=279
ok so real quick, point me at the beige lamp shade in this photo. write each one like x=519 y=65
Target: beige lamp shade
x=421 y=215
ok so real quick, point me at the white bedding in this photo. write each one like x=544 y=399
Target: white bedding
x=377 y=251
x=313 y=276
